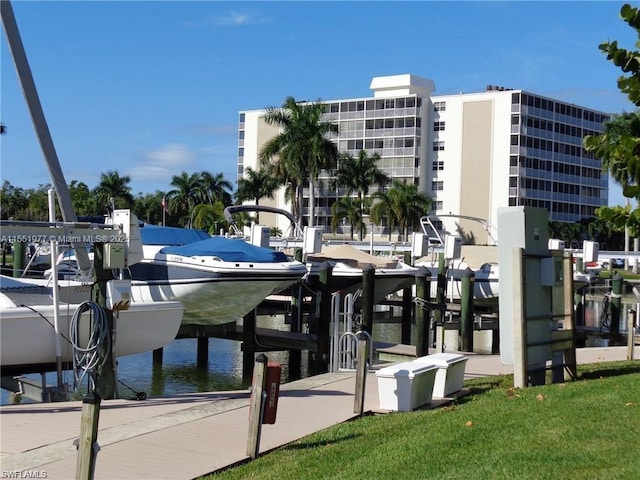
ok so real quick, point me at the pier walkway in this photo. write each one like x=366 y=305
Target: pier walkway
x=185 y=436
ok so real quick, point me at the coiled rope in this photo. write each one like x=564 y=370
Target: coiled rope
x=91 y=356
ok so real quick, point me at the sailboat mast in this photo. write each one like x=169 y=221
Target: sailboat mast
x=40 y=123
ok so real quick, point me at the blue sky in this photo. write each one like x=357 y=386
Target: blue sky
x=151 y=89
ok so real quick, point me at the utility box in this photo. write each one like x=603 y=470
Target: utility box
x=452 y=246
x=590 y=251
x=114 y=255
x=450 y=374
x=419 y=245
x=405 y=386
x=312 y=240
x=260 y=236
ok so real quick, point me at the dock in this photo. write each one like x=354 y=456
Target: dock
x=186 y=436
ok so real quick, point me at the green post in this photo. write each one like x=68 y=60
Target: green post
x=368 y=291
x=616 y=304
x=422 y=314
x=466 y=310
x=19 y=258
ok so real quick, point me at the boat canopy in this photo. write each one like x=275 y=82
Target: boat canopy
x=229 y=250
x=157 y=235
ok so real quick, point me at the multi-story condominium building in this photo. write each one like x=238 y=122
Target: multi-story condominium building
x=471 y=152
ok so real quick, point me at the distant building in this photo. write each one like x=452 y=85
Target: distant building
x=471 y=152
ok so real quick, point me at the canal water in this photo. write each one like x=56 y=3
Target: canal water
x=179 y=373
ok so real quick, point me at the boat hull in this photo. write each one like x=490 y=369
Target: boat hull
x=28 y=335
x=211 y=295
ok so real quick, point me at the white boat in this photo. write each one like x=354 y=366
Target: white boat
x=28 y=336
x=347 y=262
x=219 y=280
x=481 y=259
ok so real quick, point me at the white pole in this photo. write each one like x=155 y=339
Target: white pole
x=56 y=293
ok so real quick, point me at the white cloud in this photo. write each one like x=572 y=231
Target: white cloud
x=231 y=19
x=163 y=163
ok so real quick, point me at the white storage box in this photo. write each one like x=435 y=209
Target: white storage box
x=450 y=374
x=405 y=386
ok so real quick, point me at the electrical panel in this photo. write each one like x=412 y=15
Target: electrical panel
x=260 y=236
x=312 y=240
x=419 y=245
x=452 y=246
x=114 y=255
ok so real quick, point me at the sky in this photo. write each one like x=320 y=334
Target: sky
x=152 y=89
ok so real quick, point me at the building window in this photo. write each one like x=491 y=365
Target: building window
x=437 y=185
x=439 y=106
x=241 y=152
x=438 y=126
x=436 y=205
x=242 y=118
x=438 y=165
x=241 y=135
x=438 y=145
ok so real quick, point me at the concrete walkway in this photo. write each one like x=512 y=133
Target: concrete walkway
x=185 y=436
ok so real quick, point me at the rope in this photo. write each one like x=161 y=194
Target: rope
x=88 y=358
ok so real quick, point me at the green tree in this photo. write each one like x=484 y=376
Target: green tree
x=256 y=185
x=13 y=201
x=301 y=149
x=188 y=193
x=83 y=201
x=209 y=217
x=215 y=188
x=112 y=185
x=348 y=208
x=619 y=145
x=402 y=205
x=359 y=175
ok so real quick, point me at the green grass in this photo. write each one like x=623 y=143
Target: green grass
x=587 y=429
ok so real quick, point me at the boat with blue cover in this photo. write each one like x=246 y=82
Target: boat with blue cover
x=218 y=280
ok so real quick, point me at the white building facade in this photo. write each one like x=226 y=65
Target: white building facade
x=471 y=152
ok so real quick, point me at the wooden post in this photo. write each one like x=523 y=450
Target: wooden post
x=158 y=354
x=105 y=377
x=295 y=355
x=616 y=308
x=405 y=330
x=202 y=354
x=368 y=292
x=466 y=310
x=422 y=315
x=321 y=359
x=256 y=405
x=570 y=314
x=441 y=289
x=87 y=445
x=248 y=346
x=631 y=322
x=361 y=373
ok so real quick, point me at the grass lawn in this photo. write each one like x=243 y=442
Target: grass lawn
x=587 y=429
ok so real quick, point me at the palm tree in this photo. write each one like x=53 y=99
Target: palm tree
x=258 y=184
x=187 y=194
x=112 y=185
x=300 y=150
x=359 y=175
x=208 y=217
x=216 y=187
x=402 y=205
x=351 y=209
